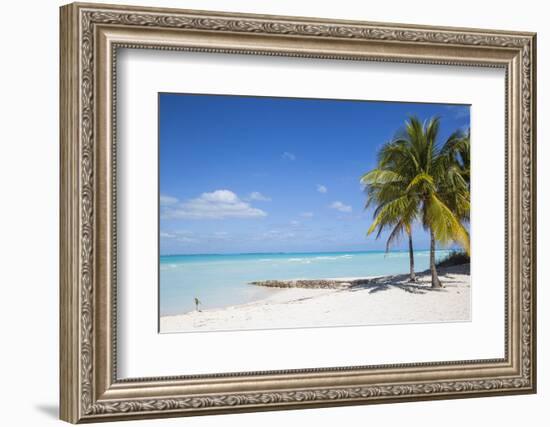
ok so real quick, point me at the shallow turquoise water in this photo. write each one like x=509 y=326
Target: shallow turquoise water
x=222 y=280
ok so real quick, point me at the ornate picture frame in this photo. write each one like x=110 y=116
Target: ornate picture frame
x=90 y=37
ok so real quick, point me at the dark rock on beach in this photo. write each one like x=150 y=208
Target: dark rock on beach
x=312 y=283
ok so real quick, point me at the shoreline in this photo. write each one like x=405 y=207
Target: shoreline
x=339 y=302
x=328 y=283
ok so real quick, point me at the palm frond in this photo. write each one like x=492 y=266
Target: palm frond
x=417 y=178
x=445 y=224
x=380 y=176
x=395 y=235
x=421 y=183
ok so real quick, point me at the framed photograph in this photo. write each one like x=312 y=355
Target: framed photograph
x=265 y=213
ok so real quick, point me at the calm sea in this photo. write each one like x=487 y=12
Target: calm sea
x=222 y=280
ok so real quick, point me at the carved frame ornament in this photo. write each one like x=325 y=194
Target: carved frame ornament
x=90 y=37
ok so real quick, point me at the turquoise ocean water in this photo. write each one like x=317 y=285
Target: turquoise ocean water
x=222 y=280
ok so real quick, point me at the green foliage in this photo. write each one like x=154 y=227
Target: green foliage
x=454 y=258
x=418 y=180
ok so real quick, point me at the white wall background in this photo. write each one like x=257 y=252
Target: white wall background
x=29 y=170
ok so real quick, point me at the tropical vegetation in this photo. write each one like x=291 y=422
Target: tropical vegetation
x=419 y=179
x=455 y=257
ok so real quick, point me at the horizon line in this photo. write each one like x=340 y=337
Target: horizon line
x=301 y=252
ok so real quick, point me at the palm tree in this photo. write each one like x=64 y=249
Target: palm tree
x=460 y=153
x=426 y=176
x=395 y=208
x=463 y=156
x=457 y=162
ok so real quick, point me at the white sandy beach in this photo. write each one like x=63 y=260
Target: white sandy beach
x=384 y=300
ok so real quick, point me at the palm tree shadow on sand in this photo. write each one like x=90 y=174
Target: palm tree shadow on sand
x=422 y=286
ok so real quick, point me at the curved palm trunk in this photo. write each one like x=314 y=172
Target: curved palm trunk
x=412 y=275
x=436 y=283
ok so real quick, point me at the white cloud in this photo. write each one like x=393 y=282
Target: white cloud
x=278 y=235
x=185 y=239
x=179 y=236
x=321 y=188
x=306 y=214
x=256 y=195
x=295 y=223
x=288 y=156
x=218 y=204
x=167 y=200
x=191 y=237
x=339 y=206
x=220 y=235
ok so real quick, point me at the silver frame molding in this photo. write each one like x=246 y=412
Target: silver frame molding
x=90 y=37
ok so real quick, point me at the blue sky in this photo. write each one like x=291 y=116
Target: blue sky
x=262 y=174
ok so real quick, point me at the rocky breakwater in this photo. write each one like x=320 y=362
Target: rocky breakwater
x=313 y=283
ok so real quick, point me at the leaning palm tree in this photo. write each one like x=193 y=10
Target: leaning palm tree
x=428 y=178
x=395 y=208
